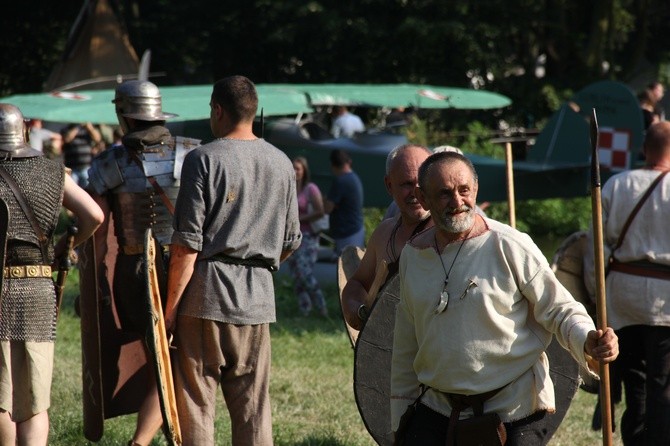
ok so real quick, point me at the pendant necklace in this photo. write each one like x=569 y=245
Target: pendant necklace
x=444 y=295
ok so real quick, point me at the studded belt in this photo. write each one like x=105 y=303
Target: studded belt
x=27 y=271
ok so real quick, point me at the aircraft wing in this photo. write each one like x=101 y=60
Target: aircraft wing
x=189 y=102
x=397 y=95
x=192 y=102
x=83 y=106
x=531 y=180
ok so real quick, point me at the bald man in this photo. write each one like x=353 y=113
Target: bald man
x=387 y=241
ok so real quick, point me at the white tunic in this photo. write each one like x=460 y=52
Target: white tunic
x=634 y=300
x=505 y=303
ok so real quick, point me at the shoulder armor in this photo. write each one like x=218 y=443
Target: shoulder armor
x=183 y=146
x=158 y=159
x=105 y=173
x=162 y=159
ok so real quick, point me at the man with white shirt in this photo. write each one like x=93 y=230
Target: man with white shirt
x=478 y=307
x=638 y=288
x=345 y=123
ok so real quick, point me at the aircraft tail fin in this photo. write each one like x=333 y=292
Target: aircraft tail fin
x=564 y=140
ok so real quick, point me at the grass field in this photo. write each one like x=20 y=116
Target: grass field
x=311 y=388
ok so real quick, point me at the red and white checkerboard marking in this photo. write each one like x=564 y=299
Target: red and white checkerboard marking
x=614 y=148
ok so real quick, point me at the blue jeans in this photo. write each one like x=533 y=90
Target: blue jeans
x=80 y=176
x=355 y=239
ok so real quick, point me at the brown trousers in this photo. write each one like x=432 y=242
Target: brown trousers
x=236 y=357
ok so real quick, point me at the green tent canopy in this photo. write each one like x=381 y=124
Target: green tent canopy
x=192 y=102
x=189 y=102
x=399 y=95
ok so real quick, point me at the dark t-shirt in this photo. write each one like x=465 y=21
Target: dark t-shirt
x=78 y=153
x=347 y=194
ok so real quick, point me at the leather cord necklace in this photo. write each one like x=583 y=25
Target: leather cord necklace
x=390 y=245
x=444 y=295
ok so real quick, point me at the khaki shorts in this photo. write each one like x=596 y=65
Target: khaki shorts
x=26 y=369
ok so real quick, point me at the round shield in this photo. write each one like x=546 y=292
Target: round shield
x=347 y=264
x=568 y=264
x=372 y=364
x=372 y=371
x=564 y=373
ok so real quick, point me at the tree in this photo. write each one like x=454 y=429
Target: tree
x=535 y=51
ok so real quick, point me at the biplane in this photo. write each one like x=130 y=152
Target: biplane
x=287 y=110
x=556 y=165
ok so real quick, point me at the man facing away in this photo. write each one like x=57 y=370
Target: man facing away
x=78 y=148
x=41 y=139
x=118 y=183
x=638 y=288
x=345 y=123
x=236 y=219
x=344 y=203
x=388 y=239
x=478 y=307
x=34 y=188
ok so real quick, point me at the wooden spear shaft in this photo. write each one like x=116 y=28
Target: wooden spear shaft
x=601 y=310
x=510 y=183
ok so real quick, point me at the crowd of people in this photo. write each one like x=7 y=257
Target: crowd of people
x=479 y=303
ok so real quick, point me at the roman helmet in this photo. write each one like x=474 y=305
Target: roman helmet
x=139 y=100
x=13 y=134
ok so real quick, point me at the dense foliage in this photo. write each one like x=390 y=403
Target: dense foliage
x=536 y=52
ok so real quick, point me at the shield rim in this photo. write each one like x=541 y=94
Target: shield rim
x=560 y=372
x=344 y=272
x=379 y=438
x=160 y=353
x=93 y=401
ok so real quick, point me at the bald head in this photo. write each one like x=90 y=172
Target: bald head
x=402 y=174
x=400 y=154
x=657 y=142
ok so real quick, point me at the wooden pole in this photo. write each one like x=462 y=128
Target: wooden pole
x=601 y=310
x=510 y=184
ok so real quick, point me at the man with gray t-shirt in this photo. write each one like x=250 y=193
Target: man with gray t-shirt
x=236 y=219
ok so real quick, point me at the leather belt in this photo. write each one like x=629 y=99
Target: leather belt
x=254 y=263
x=642 y=268
x=27 y=271
x=133 y=250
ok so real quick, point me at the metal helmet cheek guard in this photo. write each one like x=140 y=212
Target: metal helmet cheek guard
x=140 y=100
x=13 y=142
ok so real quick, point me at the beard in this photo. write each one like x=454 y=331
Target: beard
x=456 y=220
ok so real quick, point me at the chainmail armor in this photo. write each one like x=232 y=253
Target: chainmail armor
x=28 y=310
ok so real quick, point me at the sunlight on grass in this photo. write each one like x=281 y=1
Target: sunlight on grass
x=311 y=386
